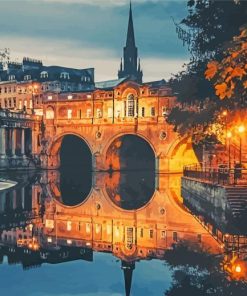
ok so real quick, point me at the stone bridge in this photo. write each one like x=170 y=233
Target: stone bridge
x=121 y=128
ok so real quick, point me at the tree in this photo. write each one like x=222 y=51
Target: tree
x=230 y=74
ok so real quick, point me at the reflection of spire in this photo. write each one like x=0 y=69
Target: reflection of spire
x=128 y=268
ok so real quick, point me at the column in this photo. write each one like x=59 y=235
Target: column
x=3 y=157
x=23 y=198
x=13 y=142
x=2 y=201
x=23 y=142
x=2 y=142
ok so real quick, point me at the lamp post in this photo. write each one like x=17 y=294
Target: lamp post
x=229 y=135
x=241 y=130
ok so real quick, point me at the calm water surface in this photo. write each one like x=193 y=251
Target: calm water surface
x=78 y=233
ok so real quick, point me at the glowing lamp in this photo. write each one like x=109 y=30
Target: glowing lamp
x=224 y=113
x=229 y=135
x=241 y=129
x=238 y=268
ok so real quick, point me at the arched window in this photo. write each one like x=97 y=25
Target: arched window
x=64 y=75
x=49 y=113
x=44 y=74
x=131 y=106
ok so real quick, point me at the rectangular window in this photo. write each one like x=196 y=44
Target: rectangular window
x=99 y=113
x=109 y=112
x=69 y=225
x=164 y=111
x=69 y=114
x=163 y=234
x=141 y=232
x=151 y=233
x=88 y=228
x=49 y=98
x=152 y=111
x=143 y=111
x=89 y=113
x=108 y=229
x=97 y=228
x=175 y=236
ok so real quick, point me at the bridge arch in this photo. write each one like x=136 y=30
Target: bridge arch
x=181 y=153
x=129 y=151
x=54 y=149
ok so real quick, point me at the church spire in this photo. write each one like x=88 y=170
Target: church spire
x=130 y=35
x=128 y=268
x=130 y=67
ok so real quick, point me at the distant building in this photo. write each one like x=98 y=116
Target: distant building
x=22 y=85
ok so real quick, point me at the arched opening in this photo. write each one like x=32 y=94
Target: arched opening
x=130 y=152
x=75 y=170
x=130 y=190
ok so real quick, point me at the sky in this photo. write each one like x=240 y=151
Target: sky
x=92 y=33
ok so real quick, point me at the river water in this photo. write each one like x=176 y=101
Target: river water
x=74 y=232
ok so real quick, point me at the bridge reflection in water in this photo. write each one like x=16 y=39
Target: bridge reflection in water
x=135 y=216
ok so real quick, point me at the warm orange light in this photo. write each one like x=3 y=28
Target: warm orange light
x=224 y=113
x=238 y=269
x=229 y=135
x=241 y=129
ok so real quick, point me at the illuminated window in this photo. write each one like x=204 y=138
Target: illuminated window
x=163 y=234
x=69 y=241
x=117 y=232
x=88 y=228
x=89 y=113
x=99 y=113
x=110 y=112
x=131 y=106
x=49 y=98
x=31 y=104
x=70 y=97
x=118 y=113
x=164 y=111
x=152 y=111
x=20 y=104
x=69 y=225
x=69 y=114
x=49 y=113
x=97 y=228
x=108 y=229
x=25 y=103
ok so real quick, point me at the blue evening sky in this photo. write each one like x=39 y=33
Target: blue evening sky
x=92 y=33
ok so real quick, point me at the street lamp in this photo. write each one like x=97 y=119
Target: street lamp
x=229 y=135
x=241 y=130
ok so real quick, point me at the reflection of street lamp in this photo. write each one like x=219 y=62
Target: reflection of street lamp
x=229 y=135
x=224 y=114
x=241 y=129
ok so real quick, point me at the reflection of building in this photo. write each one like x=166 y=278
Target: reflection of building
x=100 y=225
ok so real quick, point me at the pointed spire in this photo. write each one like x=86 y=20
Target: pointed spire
x=130 y=35
x=128 y=268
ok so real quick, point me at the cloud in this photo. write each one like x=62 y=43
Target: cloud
x=70 y=54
